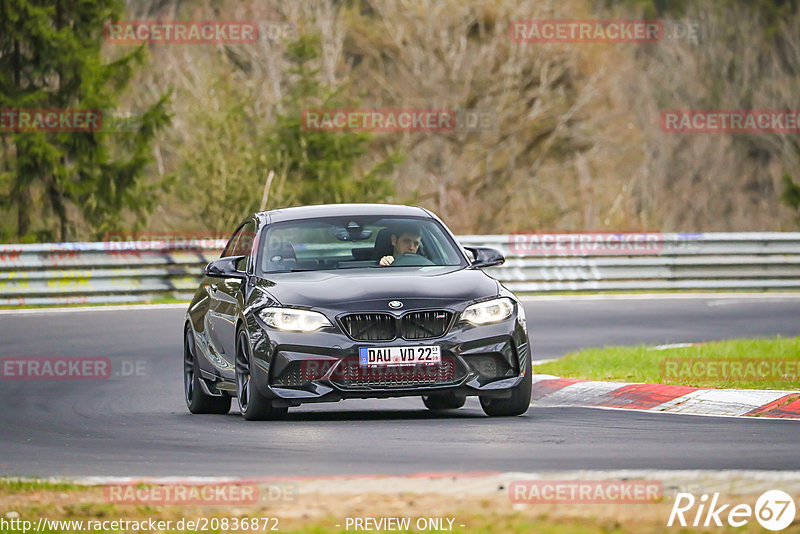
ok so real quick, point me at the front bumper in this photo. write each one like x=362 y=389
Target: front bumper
x=296 y=368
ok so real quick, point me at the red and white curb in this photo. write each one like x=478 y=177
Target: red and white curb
x=552 y=391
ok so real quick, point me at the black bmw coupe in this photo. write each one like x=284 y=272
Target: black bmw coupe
x=323 y=303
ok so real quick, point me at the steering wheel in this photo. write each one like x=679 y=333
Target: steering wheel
x=411 y=260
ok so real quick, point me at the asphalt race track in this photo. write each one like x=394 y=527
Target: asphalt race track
x=136 y=424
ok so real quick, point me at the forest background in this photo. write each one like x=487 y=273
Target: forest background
x=574 y=139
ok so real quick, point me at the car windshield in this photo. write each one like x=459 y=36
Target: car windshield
x=356 y=242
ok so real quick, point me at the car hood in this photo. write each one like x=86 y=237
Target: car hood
x=371 y=289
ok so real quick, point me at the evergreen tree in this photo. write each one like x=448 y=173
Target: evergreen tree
x=320 y=164
x=50 y=58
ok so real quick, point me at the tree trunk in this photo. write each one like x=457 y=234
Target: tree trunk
x=24 y=213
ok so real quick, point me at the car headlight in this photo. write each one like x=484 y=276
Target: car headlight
x=490 y=311
x=293 y=320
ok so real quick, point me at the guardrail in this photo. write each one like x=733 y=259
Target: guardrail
x=632 y=262
x=102 y=272
x=125 y=271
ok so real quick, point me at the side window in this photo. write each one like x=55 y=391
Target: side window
x=227 y=251
x=241 y=244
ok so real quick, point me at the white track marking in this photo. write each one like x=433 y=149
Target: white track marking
x=723 y=401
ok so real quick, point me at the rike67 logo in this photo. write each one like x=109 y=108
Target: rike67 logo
x=774 y=510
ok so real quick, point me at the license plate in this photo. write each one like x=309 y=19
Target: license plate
x=378 y=356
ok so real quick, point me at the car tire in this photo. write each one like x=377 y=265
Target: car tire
x=450 y=401
x=517 y=404
x=252 y=404
x=196 y=398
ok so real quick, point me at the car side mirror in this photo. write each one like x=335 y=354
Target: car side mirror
x=486 y=257
x=225 y=268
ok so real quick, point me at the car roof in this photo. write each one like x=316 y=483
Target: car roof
x=341 y=210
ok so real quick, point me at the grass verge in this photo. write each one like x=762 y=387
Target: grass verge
x=739 y=363
x=9 y=486
x=327 y=512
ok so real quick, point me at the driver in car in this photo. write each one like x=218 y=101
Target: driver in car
x=404 y=241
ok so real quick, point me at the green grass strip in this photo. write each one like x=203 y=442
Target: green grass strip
x=741 y=363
